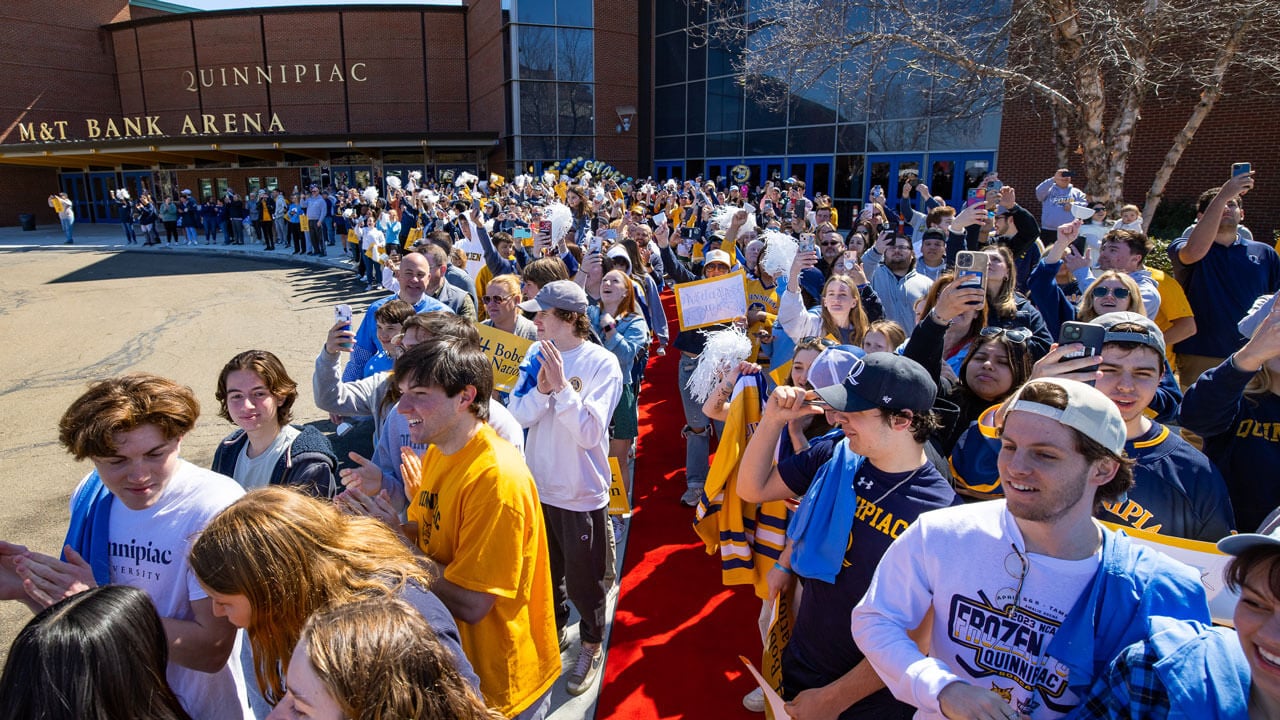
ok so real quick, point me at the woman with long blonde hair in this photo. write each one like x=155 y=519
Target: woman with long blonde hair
x=377 y=658
x=848 y=304
x=275 y=556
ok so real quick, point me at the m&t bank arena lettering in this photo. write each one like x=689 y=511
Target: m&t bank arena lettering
x=149 y=126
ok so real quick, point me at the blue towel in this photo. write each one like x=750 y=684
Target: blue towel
x=820 y=529
x=529 y=370
x=90 y=522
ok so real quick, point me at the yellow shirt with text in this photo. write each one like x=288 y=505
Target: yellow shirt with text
x=478 y=515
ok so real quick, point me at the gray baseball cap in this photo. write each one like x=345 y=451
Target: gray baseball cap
x=559 y=295
x=1152 y=338
x=1088 y=410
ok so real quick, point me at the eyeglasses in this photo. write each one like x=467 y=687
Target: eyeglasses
x=1024 y=567
x=1016 y=335
x=831 y=243
x=495 y=299
x=1102 y=291
x=826 y=342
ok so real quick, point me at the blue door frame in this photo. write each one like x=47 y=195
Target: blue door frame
x=73 y=184
x=815 y=171
x=102 y=205
x=664 y=170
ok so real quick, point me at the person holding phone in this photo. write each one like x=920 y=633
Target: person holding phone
x=1222 y=275
x=891 y=266
x=1056 y=195
x=1177 y=491
x=993 y=363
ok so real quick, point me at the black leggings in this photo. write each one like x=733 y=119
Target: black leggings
x=171 y=230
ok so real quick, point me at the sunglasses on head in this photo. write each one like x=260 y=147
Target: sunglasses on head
x=1017 y=335
x=1102 y=291
x=826 y=342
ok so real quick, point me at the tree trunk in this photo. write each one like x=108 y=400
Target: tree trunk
x=1208 y=98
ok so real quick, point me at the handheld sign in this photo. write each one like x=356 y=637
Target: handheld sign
x=715 y=300
x=619 y=503
x=506 y=352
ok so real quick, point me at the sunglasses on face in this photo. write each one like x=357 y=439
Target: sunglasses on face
x=1102 y=291
x=1015 y=335
x=494 y=299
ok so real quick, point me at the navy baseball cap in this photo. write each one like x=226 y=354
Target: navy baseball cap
x=885 y=381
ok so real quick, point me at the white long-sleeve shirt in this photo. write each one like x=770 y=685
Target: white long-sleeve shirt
x=568 y=444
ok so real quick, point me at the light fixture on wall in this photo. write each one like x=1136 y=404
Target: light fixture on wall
x=626 y=113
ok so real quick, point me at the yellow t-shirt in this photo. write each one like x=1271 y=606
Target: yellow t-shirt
x=482 y=281
x=478 y=514
x=1173 y=304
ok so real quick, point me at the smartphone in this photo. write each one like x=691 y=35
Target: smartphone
x=976 y=196
x=690 y=233
x=807 y=243
x=610 y=235
x=594 y=243
x=971 y=269
x=1091 y=336
x=544 y=226
x=994 y=186
x=1241 y=169
x=342 y=316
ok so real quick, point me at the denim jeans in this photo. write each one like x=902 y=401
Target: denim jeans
x=697 y=446
x=67 y=223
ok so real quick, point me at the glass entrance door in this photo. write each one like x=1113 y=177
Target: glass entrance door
x=102 y=205
x=952 y=175
x=73 y=185
x=889 y=172
x=815 y=172
x=666 y=170
x=764 y=169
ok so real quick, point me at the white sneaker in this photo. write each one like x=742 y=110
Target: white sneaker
x=585 y=669
x=754 y=700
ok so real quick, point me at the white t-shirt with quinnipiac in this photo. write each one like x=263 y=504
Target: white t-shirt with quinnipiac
x=149 y=551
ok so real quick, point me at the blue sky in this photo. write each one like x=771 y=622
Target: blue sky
x=238 y=4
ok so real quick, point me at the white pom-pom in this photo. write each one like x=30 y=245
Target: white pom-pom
x=521 y=180
x=779 y=252
x=723 y=215
x=370 y=195
x=348 y=213
x=122 y=195
x=464 y=178
x=561 y=221
x=723 y=351
x=415 y=175
x=393 y=182
x=431 y=196
x=549 y=178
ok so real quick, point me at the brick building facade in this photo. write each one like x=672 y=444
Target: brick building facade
x=127 y=94
x=121 y=95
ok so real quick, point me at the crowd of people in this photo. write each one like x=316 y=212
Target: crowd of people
x=922 y=419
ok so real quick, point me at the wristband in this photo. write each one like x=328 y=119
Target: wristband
x=783 y=568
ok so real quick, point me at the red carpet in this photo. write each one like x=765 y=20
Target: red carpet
x=678 y=632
